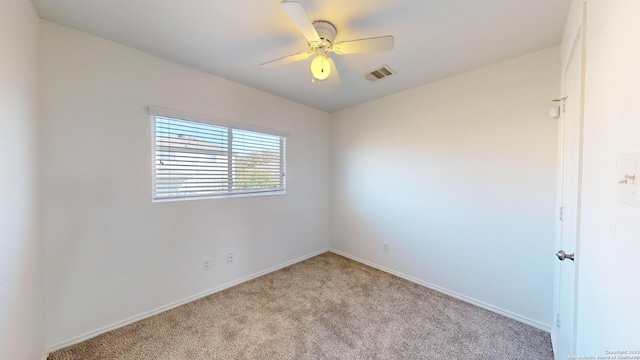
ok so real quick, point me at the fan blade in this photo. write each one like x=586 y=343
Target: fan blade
x=382 y=43
x=286 y=60
x=334 y=77
x=301 y=20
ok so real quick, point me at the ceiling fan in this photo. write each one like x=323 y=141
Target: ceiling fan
x=320 y=37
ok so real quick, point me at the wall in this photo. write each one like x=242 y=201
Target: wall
x=22 y=329
x=608 y=291
x=459 y=177
x=111 y=254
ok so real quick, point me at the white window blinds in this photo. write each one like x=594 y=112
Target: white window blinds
x=198 y=159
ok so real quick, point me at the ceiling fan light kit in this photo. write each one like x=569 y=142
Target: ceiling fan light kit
x=320 y=66
x=320 y=37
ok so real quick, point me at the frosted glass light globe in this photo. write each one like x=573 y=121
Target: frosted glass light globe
x=320 y=67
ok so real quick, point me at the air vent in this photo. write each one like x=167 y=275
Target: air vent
x=380 y=73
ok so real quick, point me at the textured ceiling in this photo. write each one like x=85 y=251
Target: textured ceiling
x=434 y=39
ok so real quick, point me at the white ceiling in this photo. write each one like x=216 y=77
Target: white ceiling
x=434 y=39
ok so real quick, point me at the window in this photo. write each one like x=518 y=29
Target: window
x=196 y=157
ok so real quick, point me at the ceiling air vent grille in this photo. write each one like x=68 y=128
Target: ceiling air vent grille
x=380 y=73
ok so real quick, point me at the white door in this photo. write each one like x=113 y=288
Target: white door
x=570 y=202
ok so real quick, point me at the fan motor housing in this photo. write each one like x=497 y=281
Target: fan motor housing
x=326 y=31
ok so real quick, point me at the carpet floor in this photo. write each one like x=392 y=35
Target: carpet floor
x=326 y=307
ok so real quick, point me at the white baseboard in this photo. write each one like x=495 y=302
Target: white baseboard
x=170 y=306
x=467 y=299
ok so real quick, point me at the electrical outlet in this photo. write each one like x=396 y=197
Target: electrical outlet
x=205 y=264
x=385 y=246
x=229 y=258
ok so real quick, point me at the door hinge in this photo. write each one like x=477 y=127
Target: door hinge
x=561 y=213
x=564 y=103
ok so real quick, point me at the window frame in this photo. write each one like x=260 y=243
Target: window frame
x=230 y=126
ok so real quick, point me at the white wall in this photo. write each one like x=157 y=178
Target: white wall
x=609 y=286
x=112 y=254
x=459 y=177
x=22 y=328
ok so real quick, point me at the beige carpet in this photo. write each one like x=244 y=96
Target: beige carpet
x=327 y=307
